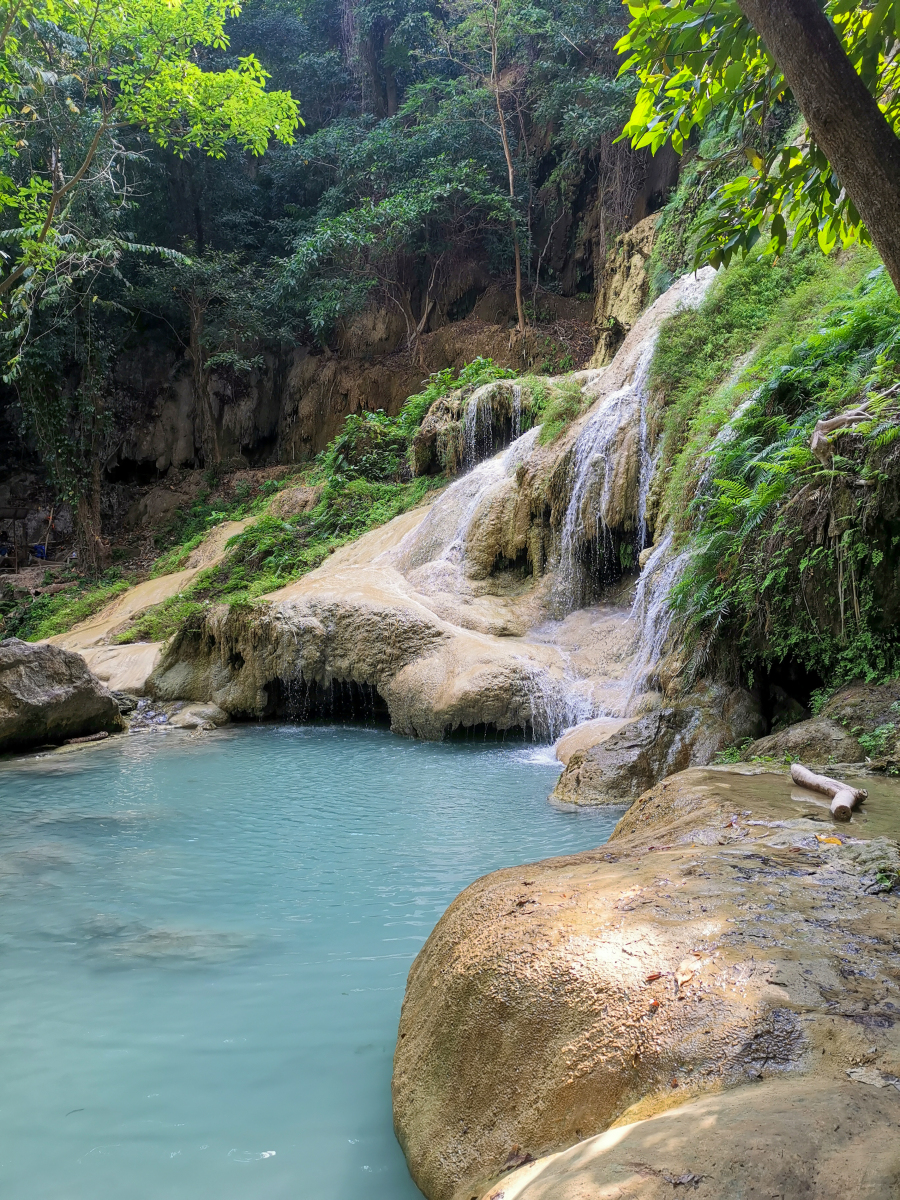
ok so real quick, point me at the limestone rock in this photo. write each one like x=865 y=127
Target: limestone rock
x=198 y=716
x=292 y=501
x=859 y=709
x=715 y=941
x=47 y=694
x=623 y=290
x=778 y=1138
x=819 y=740
x=587 y=735
x=643 y=751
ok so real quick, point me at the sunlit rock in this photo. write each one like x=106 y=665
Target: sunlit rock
x=723 y=936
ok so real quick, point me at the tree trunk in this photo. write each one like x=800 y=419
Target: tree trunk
x=93 y=551
x=844 y=118
x=209 y=438
x=495 y=87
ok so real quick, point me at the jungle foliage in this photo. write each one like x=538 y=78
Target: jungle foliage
x=793 y=560
x=157 y=182
x=700 y=62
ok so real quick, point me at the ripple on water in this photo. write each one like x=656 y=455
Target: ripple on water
x=205 y=944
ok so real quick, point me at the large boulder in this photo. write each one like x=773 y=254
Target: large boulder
x=726 y=935
x=779 y=1138
x=47 y=694
x=859 y=721
x=620 y=767
x=818 y=740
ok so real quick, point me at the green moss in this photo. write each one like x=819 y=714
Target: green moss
x=46 y=616
x=556 y=405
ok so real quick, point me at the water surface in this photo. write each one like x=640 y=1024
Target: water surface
x=204 y=944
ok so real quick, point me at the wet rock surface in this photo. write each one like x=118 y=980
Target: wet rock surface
x=622 y=766
x=47 y=694
x=727 y=936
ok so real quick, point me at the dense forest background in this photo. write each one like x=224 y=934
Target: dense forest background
x=458 y=166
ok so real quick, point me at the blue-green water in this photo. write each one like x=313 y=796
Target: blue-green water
x=204 y=944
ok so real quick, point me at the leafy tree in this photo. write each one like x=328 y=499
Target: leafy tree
x=75 y=80
x=85 y=89
x=745 y=58
x=484 y=41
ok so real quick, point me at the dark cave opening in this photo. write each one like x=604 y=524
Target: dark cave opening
x=341 y=700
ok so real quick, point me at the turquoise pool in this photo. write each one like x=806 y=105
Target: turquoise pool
x=204 y=944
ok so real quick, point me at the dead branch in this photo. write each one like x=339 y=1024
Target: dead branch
x=821 y=444
x=843 y=796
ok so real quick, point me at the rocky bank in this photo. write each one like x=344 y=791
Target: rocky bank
x=727 y=959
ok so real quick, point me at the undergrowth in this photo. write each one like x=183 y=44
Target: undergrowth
x=45 y=616
x=275 y=551
x=795 y=560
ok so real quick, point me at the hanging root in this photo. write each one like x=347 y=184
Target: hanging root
x=843 y=797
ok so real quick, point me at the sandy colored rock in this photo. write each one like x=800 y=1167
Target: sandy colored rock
x=587 y=735
x=819 y=740
x=725 y=935
x=634 y=756
x=777 y=1138
x=198 y=716
x=124 y=668
x=48 y=695
x=290 y=502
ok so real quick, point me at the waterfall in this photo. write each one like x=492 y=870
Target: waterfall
x=594 y=460
x=442 y=535
x=516 y=412
x=647 y=462
x=651 y=611
x=478 y=426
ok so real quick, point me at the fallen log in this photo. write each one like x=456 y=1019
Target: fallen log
x=843 y=796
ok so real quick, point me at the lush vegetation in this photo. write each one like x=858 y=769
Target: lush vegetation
x=158 y=185
x=362 y=480
x=699 y=64
x=795 y=558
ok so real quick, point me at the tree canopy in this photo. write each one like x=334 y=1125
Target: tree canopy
x=697 y=61
x=77 y=77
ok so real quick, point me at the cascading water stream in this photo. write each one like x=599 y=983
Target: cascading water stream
x=648 y=461
x=593 y=459
x=651 y=611
x=442 y=535
x=478 y=426
x=593 y=453
x=516 y=411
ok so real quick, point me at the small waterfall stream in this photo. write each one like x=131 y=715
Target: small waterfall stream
x=442 y=536
x=478 y=426
x=600 y=670
x=651 y=612
x=594 y=460
x=516 y=412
